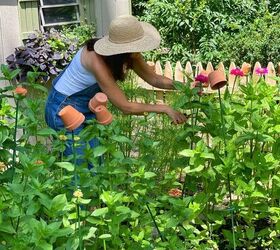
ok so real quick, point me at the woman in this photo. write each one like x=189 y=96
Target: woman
x=100 y=64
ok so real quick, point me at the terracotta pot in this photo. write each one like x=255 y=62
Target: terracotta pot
x=99 y=99
x=103 y=115
x=71 y=117
x=246 y=68
x=217 y=79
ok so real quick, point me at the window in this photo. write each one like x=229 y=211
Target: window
x=59 y=12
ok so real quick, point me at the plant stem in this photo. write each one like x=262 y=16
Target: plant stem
x=228 y=176
x=76 y=186
x=24 y=187
x=74 y=160
x=15 y=141
x=150 y=212
x=232 y=91
x=79 y=227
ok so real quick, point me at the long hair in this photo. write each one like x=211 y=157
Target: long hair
x=116 y=63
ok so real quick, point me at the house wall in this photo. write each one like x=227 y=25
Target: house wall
x=9 y=28
x=107 y=10
x=9 y=31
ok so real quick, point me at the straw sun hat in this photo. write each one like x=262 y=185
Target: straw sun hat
x=126 y=35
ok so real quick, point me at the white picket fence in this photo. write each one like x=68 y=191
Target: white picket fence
x=179 y=74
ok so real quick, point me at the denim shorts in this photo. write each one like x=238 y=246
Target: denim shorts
x=57 y=101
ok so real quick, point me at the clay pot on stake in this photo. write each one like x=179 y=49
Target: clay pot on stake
x=218 y=80
x=71 y=117
x=99 y=99
x=246 y=68
x=103 y=115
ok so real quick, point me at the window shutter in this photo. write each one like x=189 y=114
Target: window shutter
x=28 y=16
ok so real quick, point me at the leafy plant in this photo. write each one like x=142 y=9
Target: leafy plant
x=48 y=52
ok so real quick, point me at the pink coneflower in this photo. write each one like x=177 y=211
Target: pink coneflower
x=237 y=72
x=201 y=78
x=261 y=71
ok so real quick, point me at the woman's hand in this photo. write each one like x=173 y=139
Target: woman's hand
x=176 y=116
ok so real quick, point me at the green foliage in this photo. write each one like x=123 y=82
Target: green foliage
x=250 y=44
x=48 y=52
x=124 y=201
x=211 y=30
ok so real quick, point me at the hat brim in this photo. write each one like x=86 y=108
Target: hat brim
x=149 y=41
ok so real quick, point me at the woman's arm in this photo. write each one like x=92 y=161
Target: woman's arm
x=109 y=86
x=146 y=72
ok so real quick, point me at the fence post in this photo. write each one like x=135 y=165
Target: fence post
x=271 y=73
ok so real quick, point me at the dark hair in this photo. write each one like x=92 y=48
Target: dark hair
x=116 y=63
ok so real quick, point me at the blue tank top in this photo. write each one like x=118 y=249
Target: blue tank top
x=75 y=78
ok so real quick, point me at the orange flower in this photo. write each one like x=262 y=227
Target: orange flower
x=175 y=192
x=21 y=91
x=39 y=162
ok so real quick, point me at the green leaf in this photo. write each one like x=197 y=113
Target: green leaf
x=47 y=132
x=207 y=156
x=258 y=194
x=123 y=209
x=99 y=150
x=250 y=232
x=187 y=153
x=91 y=233
x=188 y=170
x=44 y=245
x=66 y=165
x=64 y=232
x=84 y=201
x=276 y=149
x=105 y=236
x=58 y=203
x=149 y=175
x=7 y=228
x=100 y=211
x=121 y=139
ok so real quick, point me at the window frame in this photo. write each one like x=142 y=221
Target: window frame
x=53 y=6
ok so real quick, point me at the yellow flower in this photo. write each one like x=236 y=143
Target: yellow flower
x=78 y=194
x=76 y=138
x=62 y=137
x=3 y=167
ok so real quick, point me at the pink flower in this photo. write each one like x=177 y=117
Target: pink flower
x=201 y=78
x=261 y=71
x=237 y=72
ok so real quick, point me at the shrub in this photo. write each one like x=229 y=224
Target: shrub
x=255 y=42
x=191 y=30
x=49 y=51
